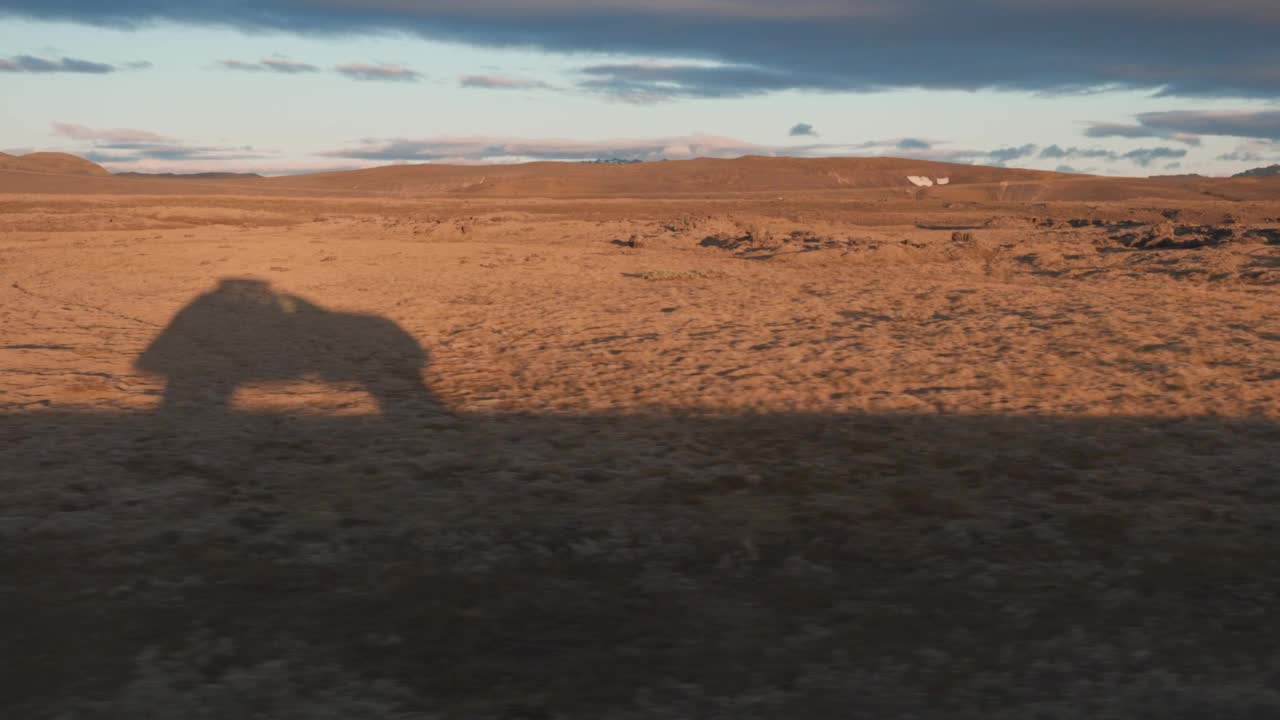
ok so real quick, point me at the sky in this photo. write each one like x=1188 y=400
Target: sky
x=1114 y=87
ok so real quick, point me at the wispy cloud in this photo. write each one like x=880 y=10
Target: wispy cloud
x=119 y=135
x=129 y=153
x=1144 y=157
x=1254 y=151
x=365 y=71
x=486 y=149
x=279 y=65
x=914 y=144
x=124 y=148
x=32 y=64
x=500 y=82
x=1177 y=124
x=648 y=82
x=1057 y=152
x=497 y=149
x=1008 y=154
x=1024 y=154
x=1121 y=130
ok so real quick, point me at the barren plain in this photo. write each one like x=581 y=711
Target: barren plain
x=683 y=440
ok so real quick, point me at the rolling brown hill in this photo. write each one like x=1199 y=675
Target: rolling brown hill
x=860 y=178
x=52 y=164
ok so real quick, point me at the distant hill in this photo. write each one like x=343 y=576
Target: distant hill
x=752 y=174
x=1268 y=171
x=191 y=176
x=51 y=163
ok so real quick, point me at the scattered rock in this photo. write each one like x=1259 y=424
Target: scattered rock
x=1006 y=222
x=1270 y=235
x=719 y=241
x=679 y=275
x=1167 y=236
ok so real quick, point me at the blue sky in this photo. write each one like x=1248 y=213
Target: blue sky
x=150 y=85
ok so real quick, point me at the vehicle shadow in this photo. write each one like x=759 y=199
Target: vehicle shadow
x=244 y=331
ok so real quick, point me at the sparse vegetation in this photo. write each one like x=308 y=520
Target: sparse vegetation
x=202 y=681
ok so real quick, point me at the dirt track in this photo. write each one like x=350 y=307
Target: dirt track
x=789 y=458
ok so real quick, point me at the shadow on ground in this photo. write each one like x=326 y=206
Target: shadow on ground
x=245 y=331
x=632 y=566
x=576 y=563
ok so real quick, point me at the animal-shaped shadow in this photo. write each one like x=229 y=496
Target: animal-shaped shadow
x=244 y=331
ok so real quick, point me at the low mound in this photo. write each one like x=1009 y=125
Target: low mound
x=51 y=163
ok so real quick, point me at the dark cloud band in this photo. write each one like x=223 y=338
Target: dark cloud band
x=1256 y=124
x=1184 y=48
